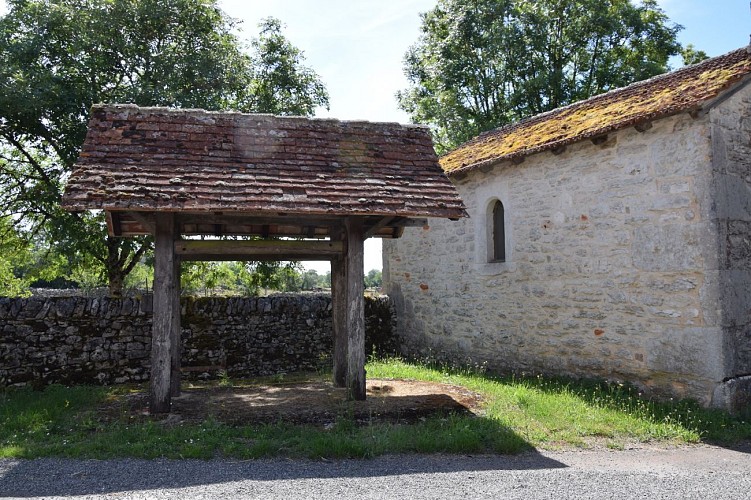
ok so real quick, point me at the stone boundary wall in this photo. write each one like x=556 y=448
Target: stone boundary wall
x=77 y=340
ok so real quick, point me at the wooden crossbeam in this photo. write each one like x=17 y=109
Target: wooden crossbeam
x=258 y=249
x=378 y=226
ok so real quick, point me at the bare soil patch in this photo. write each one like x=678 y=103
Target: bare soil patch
x=310 y=402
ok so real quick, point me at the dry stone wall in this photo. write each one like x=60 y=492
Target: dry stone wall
x=611 y=266
x=76 y=340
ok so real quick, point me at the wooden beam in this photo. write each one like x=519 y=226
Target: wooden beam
x=409 y=222
x=117 y=227
x=163 y=321
x=254 y=257
x=146 y=219
x=319 y=221
x=355 y=309
x=258 y=249
x=339 y=321
x=378 y=226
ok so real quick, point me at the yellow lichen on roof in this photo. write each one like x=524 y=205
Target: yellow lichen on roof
x=683 y=90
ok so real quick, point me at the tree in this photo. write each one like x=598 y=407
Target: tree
x=272 y=275
x=281 y=84
x=373 y=279
x=310 y=279
x=58 y=57
x=481 y=64
x=692 y=56
x=12 y=249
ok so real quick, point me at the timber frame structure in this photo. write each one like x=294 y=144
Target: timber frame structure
x=325 y=185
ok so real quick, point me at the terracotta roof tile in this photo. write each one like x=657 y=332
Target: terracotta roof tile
x=683 y=90
x=146 y=159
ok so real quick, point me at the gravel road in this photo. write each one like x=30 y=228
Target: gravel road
x=687 y=472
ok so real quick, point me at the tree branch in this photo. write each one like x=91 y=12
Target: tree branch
x=34 y=164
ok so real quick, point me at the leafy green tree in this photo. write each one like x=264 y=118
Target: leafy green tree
x=692 y=56
x=481 y=64
x=58 y=57
x=271 y=275
x=373 y=279
x=310 y=279
x=281 y=84
x=24 y=261
x=12 y=251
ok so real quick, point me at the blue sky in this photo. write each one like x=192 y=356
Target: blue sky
x=357 y=46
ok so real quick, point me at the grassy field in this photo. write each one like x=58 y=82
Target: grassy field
x=518 y=414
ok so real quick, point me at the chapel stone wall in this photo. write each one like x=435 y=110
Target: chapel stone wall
x=608 y=248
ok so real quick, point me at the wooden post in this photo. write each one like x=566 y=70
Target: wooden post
x=164 y=309
x=339 y=320
x=355 y=309
x=176 y=348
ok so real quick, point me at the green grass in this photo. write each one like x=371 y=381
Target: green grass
x=518 y=414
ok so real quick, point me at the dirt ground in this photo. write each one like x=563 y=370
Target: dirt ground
x=311 y=402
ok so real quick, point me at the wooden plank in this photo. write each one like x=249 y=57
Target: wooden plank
x=114 y=223
x=163 y=319
x=355 y=309
x=279 y=249
x=252 y=256
x=339 y=321
x=409 y=222
x=137 y=223
x=146 y=219
x=319 y=221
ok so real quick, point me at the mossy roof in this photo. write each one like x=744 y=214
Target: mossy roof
x=684 y=90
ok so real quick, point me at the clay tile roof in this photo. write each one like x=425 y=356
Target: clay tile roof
x=686 y=89
x=159 y=159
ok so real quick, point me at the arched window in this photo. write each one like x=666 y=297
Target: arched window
x=499 y=233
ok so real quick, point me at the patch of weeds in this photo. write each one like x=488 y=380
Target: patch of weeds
x=224 y=379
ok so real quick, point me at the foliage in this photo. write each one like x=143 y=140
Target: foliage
x=243 y=278
x=23 y=262
x=281 y=84
x=482 y=64
x=271 y=275
x=373 y=279
x=518 y=413
x=10 y=284
x=11 y=250
x=312 y=280
x=692 y=56
x=59 y=57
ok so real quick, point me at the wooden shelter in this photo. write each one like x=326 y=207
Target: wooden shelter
x=324 y=185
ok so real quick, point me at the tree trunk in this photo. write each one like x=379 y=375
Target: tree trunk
x=121 y=259
x=116 y=280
